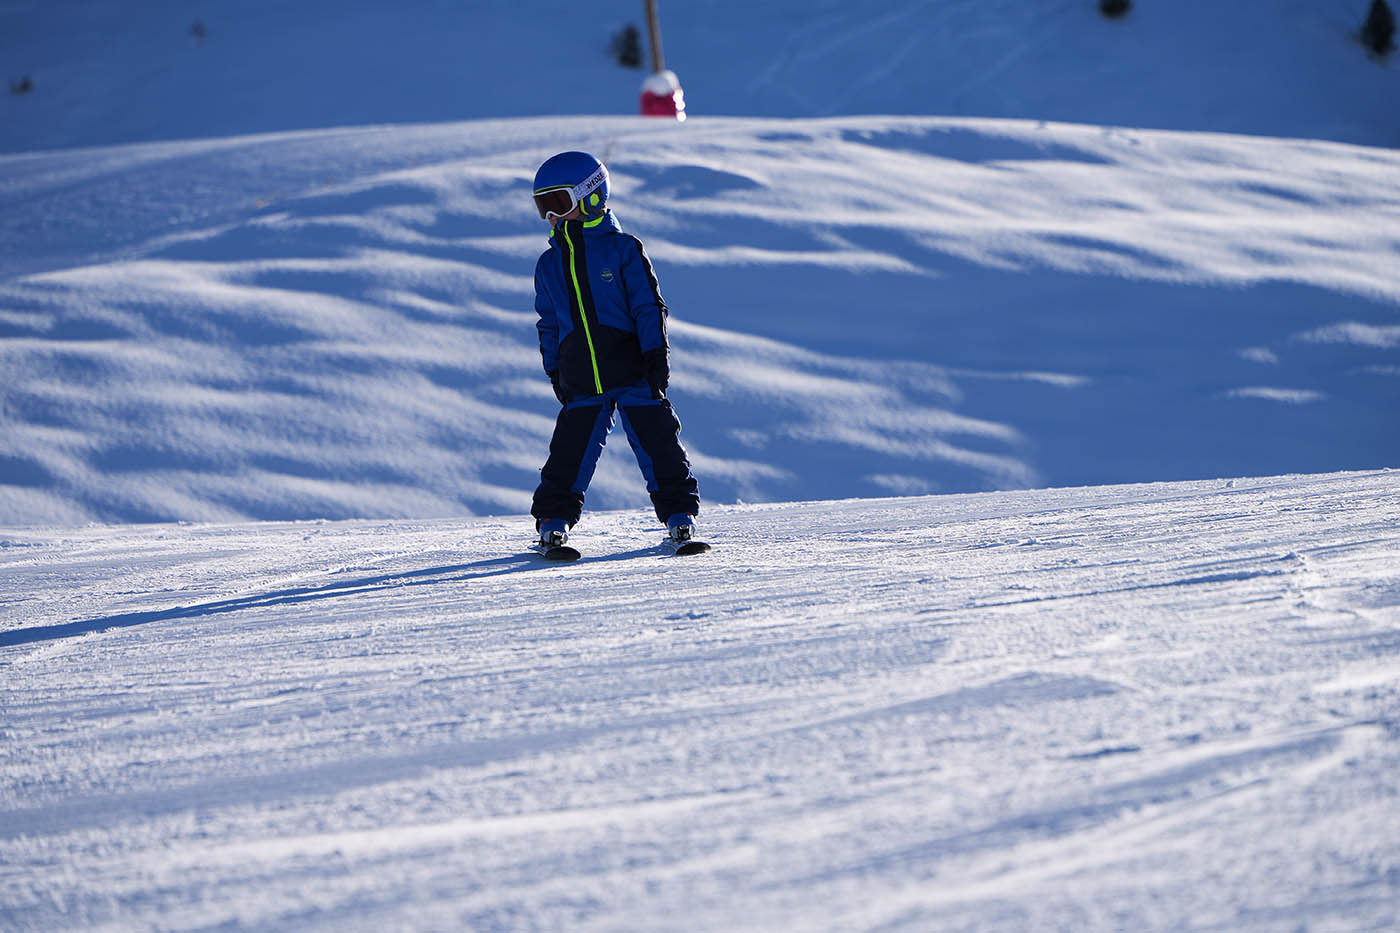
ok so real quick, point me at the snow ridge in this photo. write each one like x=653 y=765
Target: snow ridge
x=338 y=324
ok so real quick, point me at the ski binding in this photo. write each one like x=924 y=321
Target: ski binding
x=551 y=547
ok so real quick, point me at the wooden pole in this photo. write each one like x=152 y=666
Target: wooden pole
x=658 y=59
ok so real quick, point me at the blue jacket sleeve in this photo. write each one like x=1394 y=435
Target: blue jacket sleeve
x=548 y=324
x=645 y=304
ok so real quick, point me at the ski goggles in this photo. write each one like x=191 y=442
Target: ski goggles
x=555 y=202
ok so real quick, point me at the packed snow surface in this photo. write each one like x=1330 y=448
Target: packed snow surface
x=1136 y=707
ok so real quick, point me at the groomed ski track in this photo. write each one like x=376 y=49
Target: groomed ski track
x=1136 y=707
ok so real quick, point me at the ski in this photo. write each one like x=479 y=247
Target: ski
x=558 y=553
x=687 y=548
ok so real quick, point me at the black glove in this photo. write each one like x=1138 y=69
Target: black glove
x=658 y=367
x=559 y=392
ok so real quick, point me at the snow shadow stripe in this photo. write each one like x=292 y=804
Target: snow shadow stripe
x=455 y=573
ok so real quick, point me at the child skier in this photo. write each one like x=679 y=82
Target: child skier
x=602 y=333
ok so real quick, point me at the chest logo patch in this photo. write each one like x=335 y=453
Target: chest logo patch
x=606 y=275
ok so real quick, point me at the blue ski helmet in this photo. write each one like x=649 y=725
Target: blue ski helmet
x=568 y=180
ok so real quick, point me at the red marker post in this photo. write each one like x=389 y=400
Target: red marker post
x=661 y=91
x=662 y=96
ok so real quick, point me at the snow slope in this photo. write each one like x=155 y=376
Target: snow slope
x=336 y=323
x=339 y=323
x=1144 y=707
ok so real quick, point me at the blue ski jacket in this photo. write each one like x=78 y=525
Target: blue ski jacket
x=602 y=320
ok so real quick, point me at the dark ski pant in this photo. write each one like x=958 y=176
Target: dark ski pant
x=582 y=430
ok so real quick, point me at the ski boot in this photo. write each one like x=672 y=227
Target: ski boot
x=680 y=535
x=554 y=535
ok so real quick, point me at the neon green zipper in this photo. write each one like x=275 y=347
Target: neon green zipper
x=582 y=314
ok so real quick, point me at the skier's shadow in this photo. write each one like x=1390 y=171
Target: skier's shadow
x=429 y=576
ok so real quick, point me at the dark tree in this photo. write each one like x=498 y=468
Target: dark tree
x=1378 y=33
x=627 y=47
x=1115 y=8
